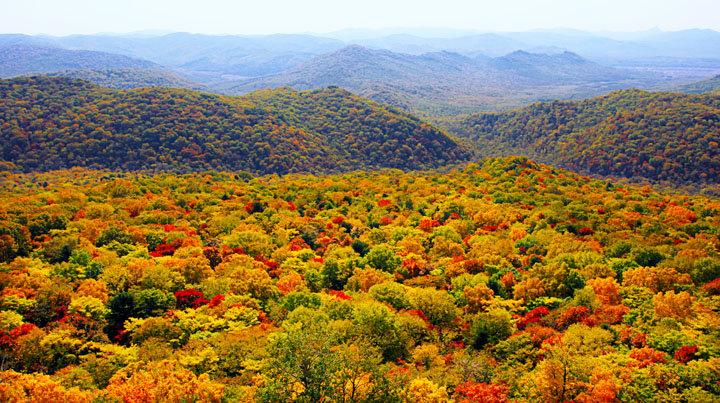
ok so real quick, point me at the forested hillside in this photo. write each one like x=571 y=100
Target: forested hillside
x=50 y=123
x=510 y=281
x=636 y=134
x=128 y=79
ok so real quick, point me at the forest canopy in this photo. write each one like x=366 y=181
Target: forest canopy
x=506 y=281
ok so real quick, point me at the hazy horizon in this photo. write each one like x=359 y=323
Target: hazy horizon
x=223 y=17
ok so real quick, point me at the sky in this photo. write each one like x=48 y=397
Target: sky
x=65 y=17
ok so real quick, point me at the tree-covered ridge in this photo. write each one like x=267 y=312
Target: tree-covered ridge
x=129 y=78
x=50 y=123
x=656 y=136
x=510 y=281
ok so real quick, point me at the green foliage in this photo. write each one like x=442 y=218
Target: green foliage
x=392 y=293
x=382 y=258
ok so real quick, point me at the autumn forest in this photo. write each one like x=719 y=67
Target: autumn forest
x=482 y=224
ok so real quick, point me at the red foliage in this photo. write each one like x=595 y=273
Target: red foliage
x=413 y=266
x=532 y=317
x=298 y=244
x=647 y=356
x=386 y=220
x=166 y=249
x=427 y=225
x=190 y=298
x=586 y=231
x=686 y=353
x=572 y=315
x=471 y=392
x=712 y=288
x=217 y=300
x=384 y=203
x=633 y=338
x=340 y=295
x=272 y=266
x=338 y=220
x=22 y=330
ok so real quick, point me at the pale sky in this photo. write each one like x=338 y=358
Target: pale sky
x=63 y=17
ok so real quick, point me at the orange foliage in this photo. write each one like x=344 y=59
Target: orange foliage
x=530 y=289
x=672 y=305
x=647 y=356
x=290 y=282
x=478 y=297
x=655 y=278
x=606 y=289
x=16 y=387
x=162 y=380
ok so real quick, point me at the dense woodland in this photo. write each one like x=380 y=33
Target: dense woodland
x=50 y=123
x=662 y=137
x=509 y=281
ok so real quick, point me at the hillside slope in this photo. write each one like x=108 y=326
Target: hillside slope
x=635 y=134
x=50 y=123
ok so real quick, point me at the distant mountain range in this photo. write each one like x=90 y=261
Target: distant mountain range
x=238 y=55
x=443 y=83
x=436 y=73
x=656 y=136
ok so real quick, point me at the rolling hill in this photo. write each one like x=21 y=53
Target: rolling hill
x=19 y=59
x=656 y=136
x=51 y=123
x=443 y=83
x=127 y=79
